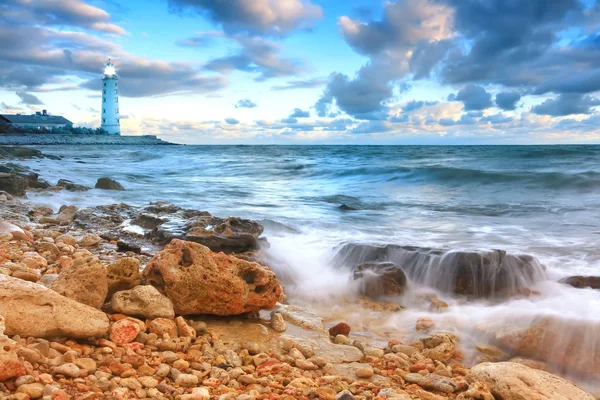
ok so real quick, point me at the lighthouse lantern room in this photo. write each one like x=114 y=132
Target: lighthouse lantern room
x=110 y=100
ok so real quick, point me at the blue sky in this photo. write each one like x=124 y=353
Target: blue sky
x=310 y=71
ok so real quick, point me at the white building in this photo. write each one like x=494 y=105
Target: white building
x=110 y=100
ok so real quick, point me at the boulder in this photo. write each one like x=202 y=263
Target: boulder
x=142 y=301
x=486 y=273
x=199 y=281
x=85 y=281
x=378 y=279
x=72 y=187
x=583 y=281
x=13 y=184
x=570 y=346
x=507 y=380
x=123 y=274
x=108 y=184
x=34 y=310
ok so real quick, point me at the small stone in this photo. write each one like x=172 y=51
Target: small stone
x=124 y=331
x=374 y=352
x=424 y=324
x=344 y=395
x=89 y=239
x=183 y=329
x=69 y=369
x=365 y=372
x=186 y=380
x=277 y=322
x=162 y=326
x=404 y=349
x=340 y=329
x=33 y=390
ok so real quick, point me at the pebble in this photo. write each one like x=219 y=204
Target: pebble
x=340 y=329
x=186 y=380
x=365 y=372
x=277 y=322
x=69 y=369
x=33 y=390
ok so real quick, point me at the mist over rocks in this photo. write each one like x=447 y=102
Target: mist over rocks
x=473 y=273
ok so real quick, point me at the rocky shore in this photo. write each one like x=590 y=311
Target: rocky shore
x=161 y=302
x=50 y=139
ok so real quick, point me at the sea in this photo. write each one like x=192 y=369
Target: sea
x=542 y=201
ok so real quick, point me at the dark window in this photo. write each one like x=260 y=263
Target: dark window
x=117 y=120
x=103 y=120
x=104 y=91
x=104 y=99
x=104 y=111
x=104 y=84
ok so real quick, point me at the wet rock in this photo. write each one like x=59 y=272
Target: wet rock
x=89 y=239
x=156 y=224
x=570 y=346
x=34 y=310
x=508 y=380
x=13 y=184
x=85 y=281
x=583 y=281
x=473 y=273
x=531 y=363
x=66 y=214
x=277 y=322
x=123 y=274
x=340 y=329
x=199 y=281
x=346 y=207
x=22 y=152
x=108 y=184
x=142 y=301
x=378 y=279
x=72 y=187
x=491 y=353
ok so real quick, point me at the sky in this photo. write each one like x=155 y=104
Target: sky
x=312 y=71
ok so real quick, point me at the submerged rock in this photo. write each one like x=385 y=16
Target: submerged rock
x=136 y=228
x=34 y=310
x=583 y=281
x=379 y=279
x=72 y=187
x=199 y=281
x=474 y=273
x=507 y=380
x=108 y=184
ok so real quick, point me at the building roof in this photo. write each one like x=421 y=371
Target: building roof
x=35 y=119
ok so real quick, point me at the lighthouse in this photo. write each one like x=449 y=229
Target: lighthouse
x=110 y=100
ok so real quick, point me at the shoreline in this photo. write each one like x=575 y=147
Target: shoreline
x=51 y=140
x=281 y=351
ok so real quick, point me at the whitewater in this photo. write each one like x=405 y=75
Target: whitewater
x=542 y=201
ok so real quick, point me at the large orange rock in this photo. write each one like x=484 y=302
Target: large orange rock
x=570 y=346
x=199 y=281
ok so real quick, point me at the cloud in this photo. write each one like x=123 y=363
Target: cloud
x=33 y=56
x=256 y=55
x=201 y=39
x=254 y=17
x=507 y=100
x=567 y=104
x=9 y=108
x=465 y=119
x=232 y=121
x=369 y=127
x=415 y=105
x=64 y=12
x=290 y=120
x=496 y=119
x=389 y=43
x=29 y=99
x=245 y=103
x=474 y=97
x=299 y=113
x=301 y=84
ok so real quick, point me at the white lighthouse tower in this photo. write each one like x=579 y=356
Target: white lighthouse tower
x=110 y=100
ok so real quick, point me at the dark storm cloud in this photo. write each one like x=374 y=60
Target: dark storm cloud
x=33 y=56
x=507 y=100
x=568 y=82
x=259 y=56
x=301 y=84
x=567 y=104
x=29 y=99
x=474 y=97
x=245 y=103
x=232 y=121
x=257 y=17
